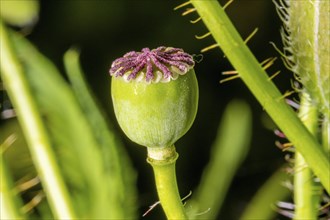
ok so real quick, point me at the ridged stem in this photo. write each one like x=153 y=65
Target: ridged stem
x=306 y=190
x=262 y=87
x=163 y=161
x=34 y=130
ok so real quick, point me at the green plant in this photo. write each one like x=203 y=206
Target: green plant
x=306 y=53
x=74 y=164
x=77 y=136
x=302 y=38
x=251 y=72
x=155 y=97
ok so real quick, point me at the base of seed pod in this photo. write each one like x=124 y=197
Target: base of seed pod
x=162 y=155
x=155 y=114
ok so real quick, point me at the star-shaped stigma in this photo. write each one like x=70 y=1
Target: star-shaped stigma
x=160 y=64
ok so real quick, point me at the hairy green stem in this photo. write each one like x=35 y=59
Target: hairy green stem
x=34 y=130
x=308 y=25
x=306 y=190
x=262 y=87
x=163 y=161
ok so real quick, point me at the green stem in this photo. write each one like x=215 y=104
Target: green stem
x=326 y=136
x=34 y=130
x=163 y=161
x=10 y=205
x=306 y=190
x=262 y=87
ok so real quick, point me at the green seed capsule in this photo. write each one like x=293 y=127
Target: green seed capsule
x=158 y=103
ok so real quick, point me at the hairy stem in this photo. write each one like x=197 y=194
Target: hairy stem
x=262 y=88
x=163 y=161
x=306 y=190
x=308 y=26
x=34 y=130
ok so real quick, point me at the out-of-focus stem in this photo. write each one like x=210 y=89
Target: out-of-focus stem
x=34 y=130
x=9 y=204
x=306 y=190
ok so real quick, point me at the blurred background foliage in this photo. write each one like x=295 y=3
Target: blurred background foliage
x=105 y=30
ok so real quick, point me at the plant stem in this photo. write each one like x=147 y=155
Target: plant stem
x=262 y=87
x=163 y=161
x=306 y=190
x=307 y=26
x=34 y=130
x=10 y=205
x=305 y=197
x=326 y=136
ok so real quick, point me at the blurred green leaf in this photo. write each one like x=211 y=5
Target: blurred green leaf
x=227 y=153
x=122 y=192
x=18 y=12
x=17 y=155
x=262 y=205
x=89 y=156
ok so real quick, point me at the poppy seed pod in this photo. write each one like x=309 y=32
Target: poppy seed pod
x=155 y=95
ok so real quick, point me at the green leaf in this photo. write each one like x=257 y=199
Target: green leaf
x=262 y=205
x=122 y=192
x=228 y=151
